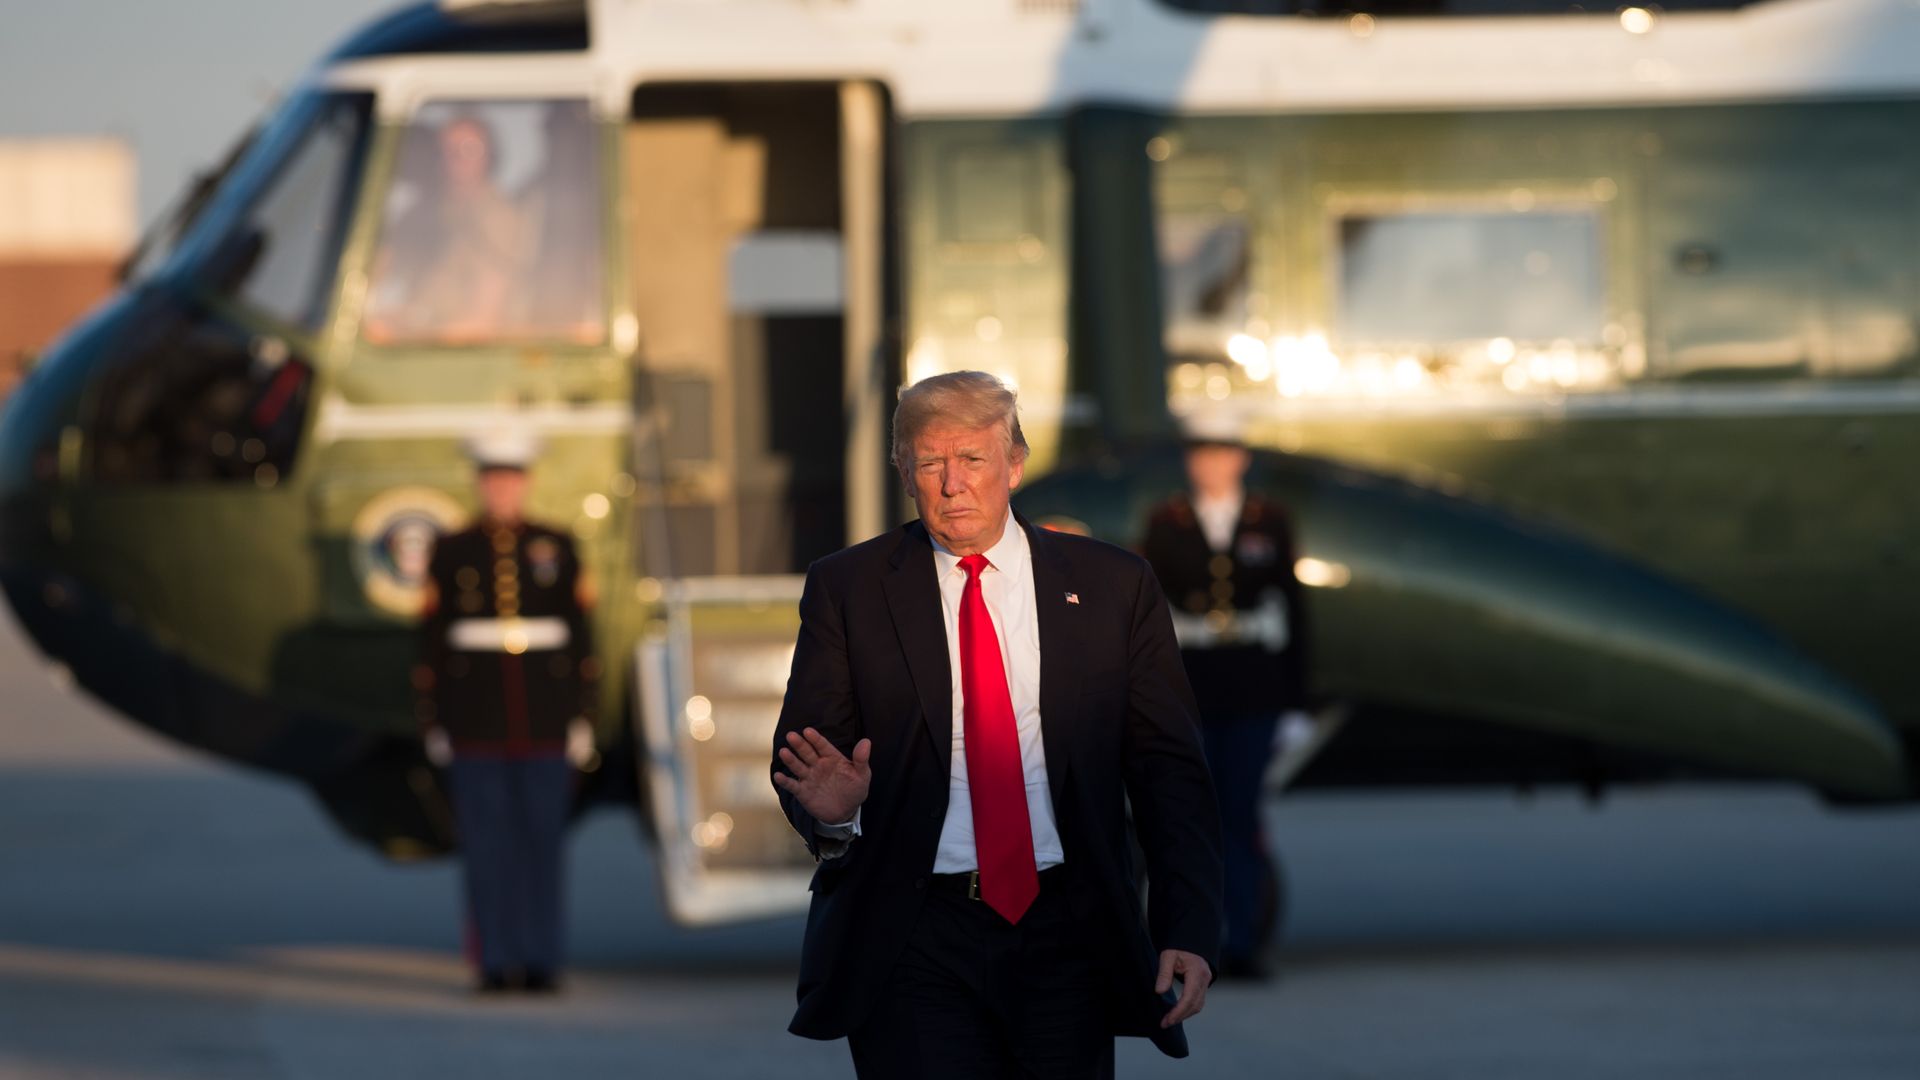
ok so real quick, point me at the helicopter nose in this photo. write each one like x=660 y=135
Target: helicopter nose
x=29 y=472
x=36 y=533
x=36 y=429
x=39 y=443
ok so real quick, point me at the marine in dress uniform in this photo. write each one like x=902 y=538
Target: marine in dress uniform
x=506 y=688
x=1224 y=557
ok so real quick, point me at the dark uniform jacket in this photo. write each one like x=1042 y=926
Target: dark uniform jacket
x=1117 y=722
x=1233 y=677
x=506 y=649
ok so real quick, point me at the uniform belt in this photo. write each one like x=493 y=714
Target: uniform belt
x=508 y=635
x=1265 y=625
x=967 y=882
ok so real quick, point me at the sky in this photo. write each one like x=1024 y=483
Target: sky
x=179 y=80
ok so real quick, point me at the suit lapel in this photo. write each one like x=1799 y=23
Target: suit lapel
x=913 y=595
x=1061 y=655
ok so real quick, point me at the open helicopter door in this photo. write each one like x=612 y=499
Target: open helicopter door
x=755 y=217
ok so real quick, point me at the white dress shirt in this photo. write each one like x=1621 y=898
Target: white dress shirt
x=1218 y=519
x=1007 y=587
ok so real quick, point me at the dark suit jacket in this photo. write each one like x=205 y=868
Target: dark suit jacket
x=1118 y=725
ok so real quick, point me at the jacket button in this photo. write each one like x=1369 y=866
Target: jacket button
x=920 y=882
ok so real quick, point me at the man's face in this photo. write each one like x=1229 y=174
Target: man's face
x=1217 y=470
x=961 y=479
x=503 y=493
x=465 y=154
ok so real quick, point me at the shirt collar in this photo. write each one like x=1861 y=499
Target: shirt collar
x=1220 y=505
x=1008 y=556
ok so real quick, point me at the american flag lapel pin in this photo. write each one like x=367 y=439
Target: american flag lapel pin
x=1073 y=598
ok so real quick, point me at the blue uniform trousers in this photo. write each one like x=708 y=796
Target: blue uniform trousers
x=512 y=815
x=1238 y=750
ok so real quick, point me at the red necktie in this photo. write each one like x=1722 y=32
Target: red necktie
x=1002 y=833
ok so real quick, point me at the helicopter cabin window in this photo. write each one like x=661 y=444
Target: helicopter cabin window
x=1203 y=282
x=206 y=393
x=1211 y=207
x=491 y=229
x=1468 y=299
x=1456 y=276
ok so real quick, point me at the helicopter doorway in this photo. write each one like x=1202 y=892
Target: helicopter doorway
x=755 y=218
x=753 y=249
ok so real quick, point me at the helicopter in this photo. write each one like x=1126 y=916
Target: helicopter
x=1580 y=346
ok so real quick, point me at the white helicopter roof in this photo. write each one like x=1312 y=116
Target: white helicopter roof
x=992 y=58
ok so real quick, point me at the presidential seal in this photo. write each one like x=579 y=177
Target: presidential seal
x=393 y=537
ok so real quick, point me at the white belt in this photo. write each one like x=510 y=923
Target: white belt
x=508 y=635
x=1265 y=625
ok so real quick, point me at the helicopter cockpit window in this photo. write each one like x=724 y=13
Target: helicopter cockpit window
x=280 y=259
x=162 y=239
x=492 y=228
x=206 y=394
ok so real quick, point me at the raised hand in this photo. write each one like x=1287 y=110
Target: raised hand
x=829 y=784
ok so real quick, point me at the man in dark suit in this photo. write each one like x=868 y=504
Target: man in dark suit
x=1225 y=556
x=973 y=706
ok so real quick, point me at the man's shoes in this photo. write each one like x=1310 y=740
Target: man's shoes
x=492 y=982
x=541 y=982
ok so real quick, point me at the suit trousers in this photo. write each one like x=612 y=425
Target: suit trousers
x=512 y=816
x=973 y=997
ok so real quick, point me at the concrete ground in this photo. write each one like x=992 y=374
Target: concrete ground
x=166 y=916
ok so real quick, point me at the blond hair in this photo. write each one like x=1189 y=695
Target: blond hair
x=968 y=399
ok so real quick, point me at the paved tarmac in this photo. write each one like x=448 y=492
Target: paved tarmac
x=162 y=916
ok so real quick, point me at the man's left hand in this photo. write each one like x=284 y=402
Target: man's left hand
x=1194 y=977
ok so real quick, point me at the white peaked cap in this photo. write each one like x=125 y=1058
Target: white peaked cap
x=1213 y=426
x=509 y=446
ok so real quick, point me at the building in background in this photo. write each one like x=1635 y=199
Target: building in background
x=66 y=221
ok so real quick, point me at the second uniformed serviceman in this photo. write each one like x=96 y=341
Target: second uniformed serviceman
x=1225 y=557
x=507 y=684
